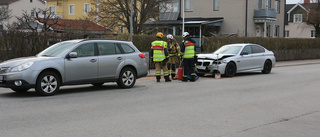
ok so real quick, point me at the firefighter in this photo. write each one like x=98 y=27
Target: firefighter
x=188 y=55
x=159 y=55
x=174 y=55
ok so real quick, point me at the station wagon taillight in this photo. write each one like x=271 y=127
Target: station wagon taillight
x=142 y=56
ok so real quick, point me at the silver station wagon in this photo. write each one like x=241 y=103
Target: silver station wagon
x=73 y=62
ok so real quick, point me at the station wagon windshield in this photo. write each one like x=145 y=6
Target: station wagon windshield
x=228 y=50
x=57 y=50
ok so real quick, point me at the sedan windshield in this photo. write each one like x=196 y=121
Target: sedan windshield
x=57 y=49
x=228 y=50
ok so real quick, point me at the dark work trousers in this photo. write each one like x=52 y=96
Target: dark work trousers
x=188 y=67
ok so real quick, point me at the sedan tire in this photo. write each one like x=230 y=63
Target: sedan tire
x=231 y=69
x=48 y=83
x=267 y=67
x=127 y=78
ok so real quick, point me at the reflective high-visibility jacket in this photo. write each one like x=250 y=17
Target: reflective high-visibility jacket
x=159 y=52
x=189 y=51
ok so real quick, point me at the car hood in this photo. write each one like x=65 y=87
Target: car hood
x=214 y=56
x=22 y=60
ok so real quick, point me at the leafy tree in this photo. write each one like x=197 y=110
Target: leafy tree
x=113 y=13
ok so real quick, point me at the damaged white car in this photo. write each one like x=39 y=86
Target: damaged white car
x=236 y=58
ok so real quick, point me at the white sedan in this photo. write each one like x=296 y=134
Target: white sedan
x=236 y=58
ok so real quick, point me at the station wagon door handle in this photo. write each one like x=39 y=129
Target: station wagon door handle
x=119 y=58
x=93 y=60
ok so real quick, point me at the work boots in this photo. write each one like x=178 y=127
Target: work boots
x=158 y=78
x=173 y=77
x=167 y=78
x=193 y=78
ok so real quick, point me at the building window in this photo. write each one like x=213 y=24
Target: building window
x=313 y=33
x=259 y=4
x=286 y=34
x=277 y=6
x=52 y=10
x=276 y=31
x=215 y=5
x=188 y=5
x=86 y=8
x=169 y=7
x=268 y=4
x=71 y=9
x=297 y=18
x=122 y=29
x=32 y=13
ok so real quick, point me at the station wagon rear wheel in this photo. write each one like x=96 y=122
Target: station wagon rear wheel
x=48 y=83
x=127 y=78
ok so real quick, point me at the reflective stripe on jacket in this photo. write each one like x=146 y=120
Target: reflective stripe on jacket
x=158 y=47
x=189 y=50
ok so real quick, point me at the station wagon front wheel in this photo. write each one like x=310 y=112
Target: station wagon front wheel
x=127 y=78
x=48 y=83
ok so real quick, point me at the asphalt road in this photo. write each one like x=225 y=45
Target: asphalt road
x=284 y=103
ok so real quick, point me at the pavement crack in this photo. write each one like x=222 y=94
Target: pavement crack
x=279 y=121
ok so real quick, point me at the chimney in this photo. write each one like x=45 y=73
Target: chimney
x=306 y=1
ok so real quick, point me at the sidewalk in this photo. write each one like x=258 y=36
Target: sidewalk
x=152 y=73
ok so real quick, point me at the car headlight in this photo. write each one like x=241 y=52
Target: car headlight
x=22 y=67
x=224 y=61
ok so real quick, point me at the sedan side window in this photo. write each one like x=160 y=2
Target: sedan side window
x=126 y=48
x=108 y=49
x=85 y=50
x=247 y=49
x=257 y=49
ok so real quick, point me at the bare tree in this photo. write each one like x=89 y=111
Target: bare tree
x=5 y=13
x=113 y=13
x=314 y=16
x=36 y=22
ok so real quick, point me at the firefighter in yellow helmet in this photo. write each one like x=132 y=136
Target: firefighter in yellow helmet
x=159 y=55
x=174 y=54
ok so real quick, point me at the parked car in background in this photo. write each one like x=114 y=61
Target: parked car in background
x=73 y=62
x=236 y=58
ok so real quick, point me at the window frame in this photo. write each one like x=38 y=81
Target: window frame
x=216 y=5
x=286 y=33
x=312 y=33
x=295 y=16
x=71 y=10
x=188 y=8
x=50 y=10
x=277 y=6
x=87 y=8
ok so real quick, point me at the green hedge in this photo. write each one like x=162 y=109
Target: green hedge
x=15 y=44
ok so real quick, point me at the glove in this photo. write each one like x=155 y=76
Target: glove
x=179 y=58
x=166 y=60
x=169 y=49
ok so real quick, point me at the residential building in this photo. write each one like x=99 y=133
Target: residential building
x=69 y=9
x=18 y=7
x=251 y=18
x=71 y=25
x=296 y=25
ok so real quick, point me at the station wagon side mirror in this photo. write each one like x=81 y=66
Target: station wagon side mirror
x=73 y=55
x=244 y=53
